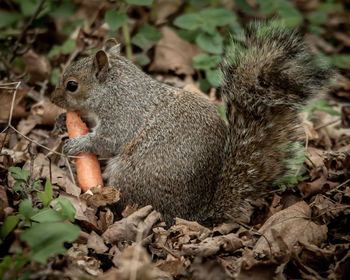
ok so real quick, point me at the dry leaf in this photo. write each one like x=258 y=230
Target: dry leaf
x=211 y=245
x=291 y=225
x=37 y=66
x=101 y=196
x=58 y=177
x=174 y=54
x=166 y=8
x=96 y=242
x=6 y=100
x=127 y=229
x=135 y=263
x=46 y=112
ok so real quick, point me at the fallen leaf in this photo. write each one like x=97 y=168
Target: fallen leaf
x=135 y=263
x=96 y=242
x=291 y=225
x=37 y=66
x=6 y=100
x=137 y=225
x=166 y=8
x=101 y=196
x=43 y=168
x=174 y=54
x=46 y=112
x=212 y=245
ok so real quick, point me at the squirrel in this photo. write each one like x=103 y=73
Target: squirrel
x=170 y=148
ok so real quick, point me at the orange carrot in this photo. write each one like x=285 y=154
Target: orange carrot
x=88 y=167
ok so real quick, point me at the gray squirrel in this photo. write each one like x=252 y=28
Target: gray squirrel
x=171 y=149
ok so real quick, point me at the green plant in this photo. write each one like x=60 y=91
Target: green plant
x=45 y=229
x=321 y=105
x=146 y=36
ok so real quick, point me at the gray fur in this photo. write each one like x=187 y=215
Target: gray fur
x=170 y=148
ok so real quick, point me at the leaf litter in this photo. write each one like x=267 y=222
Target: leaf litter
x=303 y=233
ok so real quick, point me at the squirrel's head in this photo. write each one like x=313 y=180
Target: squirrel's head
x=85 y=79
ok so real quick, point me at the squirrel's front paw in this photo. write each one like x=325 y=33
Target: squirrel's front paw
x=72 y=146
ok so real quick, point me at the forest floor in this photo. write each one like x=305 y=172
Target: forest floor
x=301 y=231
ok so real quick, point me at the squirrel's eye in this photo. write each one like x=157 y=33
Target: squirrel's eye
x=72 y=86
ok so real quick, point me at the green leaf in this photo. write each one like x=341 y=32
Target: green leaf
x=67 y=48
x=55 y=76
x=190 y=21
x=244 y=6
x=47 y=215
x=318 y=17
x=9 y=224
x=143 y=59
x=321 y=105
x=36 y=184
x=341 y=60
x=17 y=186
x=267 y=7
x=217 y=17
x=210 y=43
x=214 y=77
x=62 y=9
x=46 y=196
x=47 y=239
x=146 y=37
x=200 y=3
x=26 y=209
x=204 y=85
x=7 y=19
x=5 y=265
x=205 y=61
x=315 y=29
x=29 y=7
x=65 y=208
x=19 y=174
x=222 y=112
x=115 y=20
x=139 y=2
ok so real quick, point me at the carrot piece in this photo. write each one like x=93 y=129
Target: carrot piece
x=88 y=167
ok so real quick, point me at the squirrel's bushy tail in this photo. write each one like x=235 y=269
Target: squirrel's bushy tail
x=267 y=79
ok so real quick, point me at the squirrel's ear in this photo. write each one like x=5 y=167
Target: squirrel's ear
x=101 y=65
x=112 y=47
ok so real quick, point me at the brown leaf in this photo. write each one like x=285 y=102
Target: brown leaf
x=316 y=157
x=6 y=100
x=46 y=112
x=58 y=177
x=211 y=245
x=136 y=225
x=96 y=242
x=101 y=196
x=84 y=215
x=78 y=258
x=106 y=219
x=135 y=263
x=37 y=66
x=166 y=8
x=291 y=225
x=174 y=54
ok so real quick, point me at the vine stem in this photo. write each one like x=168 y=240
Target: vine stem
x=123 y=9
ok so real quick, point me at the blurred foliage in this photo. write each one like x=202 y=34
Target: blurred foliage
x=206 y=23
x=34 y=221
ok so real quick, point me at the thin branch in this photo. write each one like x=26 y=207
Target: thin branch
x=25 y=29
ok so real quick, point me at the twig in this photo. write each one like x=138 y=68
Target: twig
x=326 y=124
x=25 y=29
